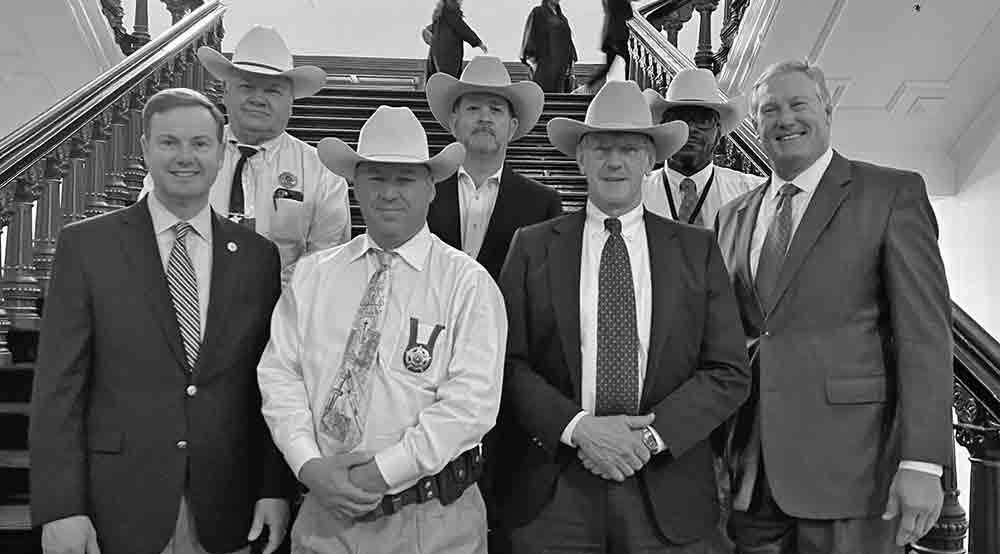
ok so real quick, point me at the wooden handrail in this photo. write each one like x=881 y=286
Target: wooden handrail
x=30 y=142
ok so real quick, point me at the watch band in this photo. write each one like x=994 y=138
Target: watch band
x=649 y=439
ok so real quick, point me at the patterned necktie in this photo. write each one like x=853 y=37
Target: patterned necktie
x=345 y=410
x=617 y=333
x=689 y=201
x=237 y=205
x=183 y=286
x=772 y=255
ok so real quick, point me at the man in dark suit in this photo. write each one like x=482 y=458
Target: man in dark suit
x=844 y=301
x=624 y=353
x=146 y=430
x=479 y=208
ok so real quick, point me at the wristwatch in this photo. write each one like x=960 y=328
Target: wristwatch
x=649 y=439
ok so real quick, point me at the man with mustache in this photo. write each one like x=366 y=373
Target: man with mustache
x=690 y=188
x=269 y=180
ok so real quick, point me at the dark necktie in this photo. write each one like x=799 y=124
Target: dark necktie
x=617 y=380
x=689 y=201
x=772 y=255
x=237 y=205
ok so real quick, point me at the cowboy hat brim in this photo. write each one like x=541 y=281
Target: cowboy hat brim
x=731 y=112
x=307 y=80
x=526 y=97
x=565 y=134
x=343 y=160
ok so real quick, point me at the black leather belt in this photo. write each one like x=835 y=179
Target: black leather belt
x=447 y=486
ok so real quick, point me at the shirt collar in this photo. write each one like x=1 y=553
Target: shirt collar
x=268 y=148
x=464 y=177
x=808 y=180
x=631 y=220
x=413 y=252
x=164 y=219
x=700 y=178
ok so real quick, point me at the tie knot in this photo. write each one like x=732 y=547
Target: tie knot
x=384 y=258
x=788 y=190
x=247 y=151
x=181 y=229
x=687 y=186
x=613 y=225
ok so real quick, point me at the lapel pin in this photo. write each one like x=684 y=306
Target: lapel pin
x=231 y=246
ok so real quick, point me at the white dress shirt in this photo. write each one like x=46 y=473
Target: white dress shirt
x=198 y=243
x=727 y=185
x=416 y=422
x=807 y=181
x=476 y=208
x=594 y=237
x=319 y=220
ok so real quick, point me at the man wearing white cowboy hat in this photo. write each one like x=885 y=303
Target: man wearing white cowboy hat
x=269 y=180
x=478 y=210
x=381 y=412
x=624 y=353
x=690 y=188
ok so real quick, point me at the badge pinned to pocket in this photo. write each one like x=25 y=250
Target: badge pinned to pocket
x=418 y=355
x=286 y=193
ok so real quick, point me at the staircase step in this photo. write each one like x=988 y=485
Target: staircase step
x=15 y=517
x=15 y=459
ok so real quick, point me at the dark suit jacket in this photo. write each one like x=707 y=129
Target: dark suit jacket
x=855 y=356
x=520 y=202
x=696 y=373
x=450 y=32
x=110 y=399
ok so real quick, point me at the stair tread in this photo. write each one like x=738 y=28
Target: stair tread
x=17 y=459
x=15 y=517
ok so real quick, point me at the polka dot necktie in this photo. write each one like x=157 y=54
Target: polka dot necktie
x=617 y=333
x=689 y=201
x=772 y=254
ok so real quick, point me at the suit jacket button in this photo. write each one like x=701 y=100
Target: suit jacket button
x=182 y=444
x=191 y=390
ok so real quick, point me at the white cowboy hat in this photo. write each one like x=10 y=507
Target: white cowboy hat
x=391 y=135
x=262 y=51
x=486 y=74
x=697 y=87
x=618 y=107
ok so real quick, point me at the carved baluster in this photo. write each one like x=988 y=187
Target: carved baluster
x=116 y=191
x=979 y=433
x=182 y=65
x=197 y=71
x=19 y=286
x=730 y=27
x=140 y=31
x=48 y=219
x=95 y=198
x=177 y=8
x=135 y=170
x=674 y=22
x=76 y=182
x=704 y=58
x=214 y=88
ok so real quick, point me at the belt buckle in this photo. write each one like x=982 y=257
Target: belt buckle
x=396 y=501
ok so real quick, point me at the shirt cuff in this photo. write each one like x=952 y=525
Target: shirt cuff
x=567 y=434
x=396 y=465
x=299 y=452
x=661 y=446
x=925 y=467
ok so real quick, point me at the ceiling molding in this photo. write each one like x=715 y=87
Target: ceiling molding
x=918 y=98
x=837 y=86
x=823 y=38
x=969 y=148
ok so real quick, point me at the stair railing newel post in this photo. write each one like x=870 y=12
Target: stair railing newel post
x=75 y=183
x=704 y=58
x=135 y=168
x=95 y=198
x=116 y=191
x=19 y=286
x=979 y=432
x=48 y=220
x=140 y=30
x=730 y=28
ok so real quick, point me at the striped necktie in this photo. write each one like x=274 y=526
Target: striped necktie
x=184 y=290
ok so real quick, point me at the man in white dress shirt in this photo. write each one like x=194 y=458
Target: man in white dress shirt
x=625 y=352
x=269 y=180
x=689 y=187
x=384 y=367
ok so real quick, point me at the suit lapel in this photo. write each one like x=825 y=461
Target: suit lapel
x=564 y=279
x=663 y=269
x=829 y=195
x=746 y=222
x=222 y=289
x=447 y=214
x=502 y=209
x=138 y=241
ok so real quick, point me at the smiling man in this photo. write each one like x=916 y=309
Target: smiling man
x=845 y=304
x=384 y=367
x=146 y=430
x=624 y=354
x=269 y=180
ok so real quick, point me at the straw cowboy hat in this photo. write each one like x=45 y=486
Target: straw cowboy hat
x=697 y=87
x=391 y=135
x=618 y=107
x=262 y=51
x=486 y=74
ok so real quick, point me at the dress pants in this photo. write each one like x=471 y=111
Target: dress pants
x=185 y=539
x=590 y=515
x=765 y=529
x=427 y=528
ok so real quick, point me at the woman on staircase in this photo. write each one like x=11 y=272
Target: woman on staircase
x=450 y=31
x=547 y=47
